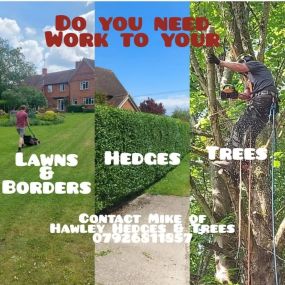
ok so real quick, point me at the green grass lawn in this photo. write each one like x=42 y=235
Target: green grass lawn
x=29 y=254
x=176 y=182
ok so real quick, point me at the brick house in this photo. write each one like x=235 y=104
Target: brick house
x=77 y=87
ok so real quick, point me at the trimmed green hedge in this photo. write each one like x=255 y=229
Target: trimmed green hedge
x=75 y=108
x=126 y=131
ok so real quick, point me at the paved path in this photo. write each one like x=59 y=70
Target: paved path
x=145 y=264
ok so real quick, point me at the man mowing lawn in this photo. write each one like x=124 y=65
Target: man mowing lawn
x=22 y=122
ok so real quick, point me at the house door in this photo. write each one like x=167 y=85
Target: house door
x=60 y=105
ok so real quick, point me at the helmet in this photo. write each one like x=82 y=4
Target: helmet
x=245 y=58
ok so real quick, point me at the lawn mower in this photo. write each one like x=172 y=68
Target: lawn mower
x=30 y=140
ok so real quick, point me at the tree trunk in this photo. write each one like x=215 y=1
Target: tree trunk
x=256 y=227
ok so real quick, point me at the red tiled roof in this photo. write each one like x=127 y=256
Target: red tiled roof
x=50 y=78
x=107 y=83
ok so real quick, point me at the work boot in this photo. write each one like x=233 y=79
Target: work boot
x=19 y=149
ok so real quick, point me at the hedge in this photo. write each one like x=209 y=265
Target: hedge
x=132 y=132
x=74 y=108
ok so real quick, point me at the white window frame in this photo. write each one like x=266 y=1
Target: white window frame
x=88 y=101
x=61 y=87
x=60 y=105
x=84 y=85
x=49 y=88
x=74 y=101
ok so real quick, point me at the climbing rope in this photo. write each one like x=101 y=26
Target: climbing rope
x=239 y=209
x=273 y=148
x=249 y=223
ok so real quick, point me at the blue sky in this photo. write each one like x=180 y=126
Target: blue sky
x=153 y=71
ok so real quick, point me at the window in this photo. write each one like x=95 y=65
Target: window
x=84 y=85
x=61 y=87
x=88 y=101
x=49 y=87
x=74 y=101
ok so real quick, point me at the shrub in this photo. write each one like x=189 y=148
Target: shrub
x=88 y=110
x=47 y=116
x=3 y=115
x=41 y=119
x=75 y=108
x=126 y=131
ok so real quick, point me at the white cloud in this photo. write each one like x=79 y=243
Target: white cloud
x=10 y=31
x=170 y=104
x=30 y=31
x=181 y=102
x=88 y=3
x=32 y=51
x=54 y=68
x=34 y=47
x=66 y=56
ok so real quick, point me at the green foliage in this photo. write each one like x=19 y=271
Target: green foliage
x=79 y=109
x=13 y=66
x=219 y=15
x=181 y=114
x=3 y=115
x=100 y=99
x=23 y=95
x=47 y=116
x=41 y=119
x=175 y=182
x=35 y=257
x=74 y=108
x=126 y=131
x=88 y=110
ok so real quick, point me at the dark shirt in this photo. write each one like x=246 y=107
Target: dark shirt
x=21 y=119
x=261 y=77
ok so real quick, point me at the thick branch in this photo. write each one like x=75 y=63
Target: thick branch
x=201 y=200
x=212 y=100
x=280 y=211
x=263 y=30
x=241 y=17
x=201 y=133
x=199 y=151
x=236 y=45
x=215 y=247
x=198 y=71
x=280 y=236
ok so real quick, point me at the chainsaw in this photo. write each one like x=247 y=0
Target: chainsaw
x=228 y=92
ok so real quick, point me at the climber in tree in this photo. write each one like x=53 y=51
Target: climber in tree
x=263 y=94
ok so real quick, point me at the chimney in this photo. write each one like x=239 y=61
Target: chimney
x=44 y=71
x=77 y=64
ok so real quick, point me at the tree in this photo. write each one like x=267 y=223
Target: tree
x=251 y=28
x=24 y=95
x=100 y=98
x=181 y=114
x=13 y=66
x=150 y=106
